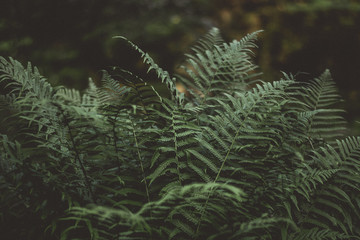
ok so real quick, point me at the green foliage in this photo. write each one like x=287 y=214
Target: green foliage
x=232 y=158
x=323 y=5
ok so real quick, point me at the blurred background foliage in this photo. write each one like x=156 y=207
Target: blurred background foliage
x=71 y=40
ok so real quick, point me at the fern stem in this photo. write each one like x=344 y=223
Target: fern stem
x=220 y=170
x=77 y=158
x=115 y=139
x=216 y=178
x=206 y=93
x=315 y=107
x=141 y=164
x=176 y=148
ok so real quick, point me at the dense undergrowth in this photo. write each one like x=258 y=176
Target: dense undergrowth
x=234 y=157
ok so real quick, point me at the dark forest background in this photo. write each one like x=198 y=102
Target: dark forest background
x=71 y=40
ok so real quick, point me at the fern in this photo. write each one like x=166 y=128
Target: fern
x=234 y=158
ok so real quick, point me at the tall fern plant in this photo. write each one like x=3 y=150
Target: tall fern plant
x=234 y=157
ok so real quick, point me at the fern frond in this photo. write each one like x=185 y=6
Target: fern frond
x=321 y=234
x=208 y=42
x=170 y=160
x=24 y=82
x=249 y=118
x=163 y=75
x=219 y=68
x=182 y=205
x=132 y=226
x=309 y=180
x=336 y=201
x=141 y=93
x=111 y=90
x=321 y=96
x=259 y=227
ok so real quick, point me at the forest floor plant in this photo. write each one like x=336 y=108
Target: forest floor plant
x=234 y=157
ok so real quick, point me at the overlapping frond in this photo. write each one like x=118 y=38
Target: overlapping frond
x=240 y=125
x=208 y=42
x=322 y=98
x=22 y=81
x=124 y=87
x=163 y=75
x=170 y=160
x=336 y=202
x=217 y=67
